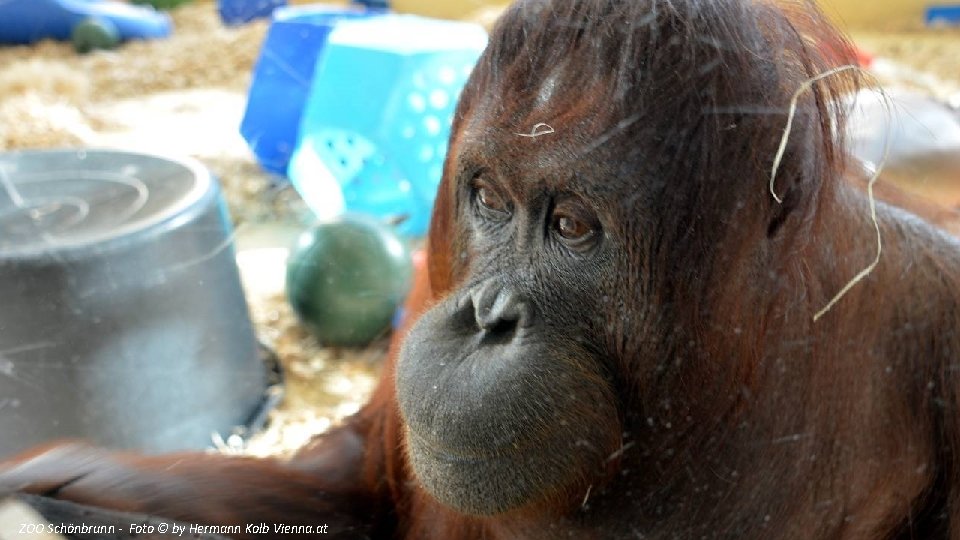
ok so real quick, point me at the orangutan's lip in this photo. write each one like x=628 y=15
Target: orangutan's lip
x=448 y=454
x=443 y=452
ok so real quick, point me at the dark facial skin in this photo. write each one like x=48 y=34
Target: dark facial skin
x=514 y=361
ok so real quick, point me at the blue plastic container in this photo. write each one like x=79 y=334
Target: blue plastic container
x=948 y=15
x=242 y=11
x=282 y=79
x=378 y=116
x=28 y=21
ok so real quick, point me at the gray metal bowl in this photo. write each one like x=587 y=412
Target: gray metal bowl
x=122 y=319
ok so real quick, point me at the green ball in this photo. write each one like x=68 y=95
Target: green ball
x=95 y=33
x=346 y=278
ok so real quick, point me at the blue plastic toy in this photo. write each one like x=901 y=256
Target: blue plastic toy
x=374 y=131
x=282 y=79
x=28 y=21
